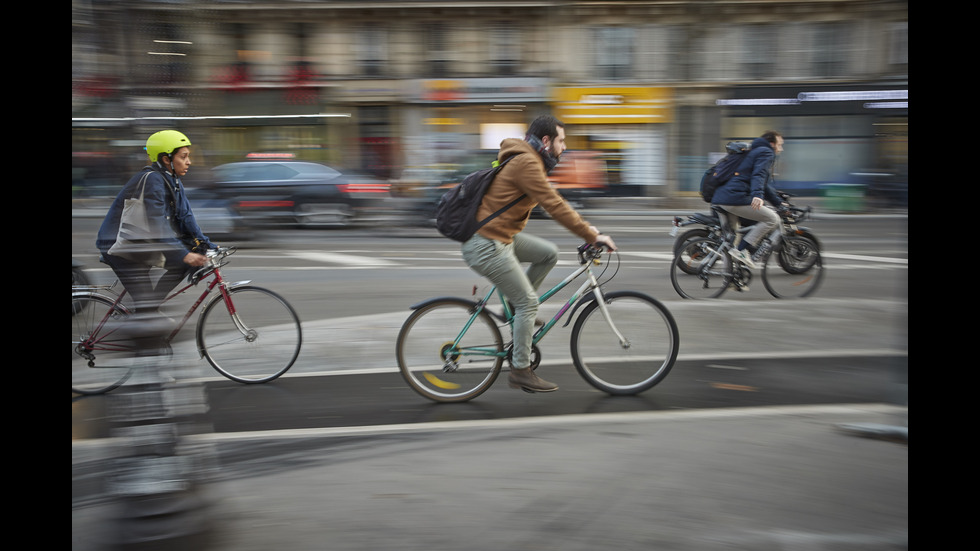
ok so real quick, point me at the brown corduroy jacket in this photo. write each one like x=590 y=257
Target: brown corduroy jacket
x=525 y=174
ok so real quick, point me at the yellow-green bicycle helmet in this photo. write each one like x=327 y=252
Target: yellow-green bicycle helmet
x=165 y=142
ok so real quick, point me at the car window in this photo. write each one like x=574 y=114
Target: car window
x=316 y=171
x=255 y=172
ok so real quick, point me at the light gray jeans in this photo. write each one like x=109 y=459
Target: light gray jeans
x=501 y=264
x=767 y=218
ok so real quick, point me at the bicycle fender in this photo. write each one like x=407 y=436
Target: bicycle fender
x=426 y=302
x=471 y=304
x=807 y=233
x=109 y=299
x=582 y=301
x=217 y=296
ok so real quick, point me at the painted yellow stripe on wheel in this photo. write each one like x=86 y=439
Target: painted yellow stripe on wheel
x=439 y=382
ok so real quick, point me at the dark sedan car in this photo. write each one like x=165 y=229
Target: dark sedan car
x=297 y=192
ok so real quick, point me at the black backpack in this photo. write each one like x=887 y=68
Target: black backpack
x=456 y=210
x=723 y=170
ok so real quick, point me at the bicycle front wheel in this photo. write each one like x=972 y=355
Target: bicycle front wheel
x=627 y=347
x=101 y=355
x=699 y=270
x=447 y=354
x=794 y=270
x=252 y=336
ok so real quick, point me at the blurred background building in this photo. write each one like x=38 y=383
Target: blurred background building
x=651 y=90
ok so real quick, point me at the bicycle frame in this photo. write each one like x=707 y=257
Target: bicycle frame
x=590 y=285
x=208 y=271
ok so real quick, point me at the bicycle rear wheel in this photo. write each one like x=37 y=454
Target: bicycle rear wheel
x=794 y=270
x=638 y=362
x=252 y=337
x=436 y=369
x=102 y=356
x=687 y=259
x=700 y=271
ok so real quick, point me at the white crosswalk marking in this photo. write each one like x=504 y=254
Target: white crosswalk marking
x=342 y=259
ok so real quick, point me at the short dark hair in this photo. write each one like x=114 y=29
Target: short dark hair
x=545 y=125
x=771 y=136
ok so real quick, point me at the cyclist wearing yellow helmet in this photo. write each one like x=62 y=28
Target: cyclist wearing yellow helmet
x=176 y=243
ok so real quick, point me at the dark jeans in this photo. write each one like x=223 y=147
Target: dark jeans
x=136 y=278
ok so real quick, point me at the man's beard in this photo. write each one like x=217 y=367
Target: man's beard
x=554 y=153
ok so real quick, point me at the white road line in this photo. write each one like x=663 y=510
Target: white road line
x=342 y=259
x=867 y=258
x=602 y=419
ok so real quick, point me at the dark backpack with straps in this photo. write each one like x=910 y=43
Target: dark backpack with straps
x=723 y=170
x=456 y=210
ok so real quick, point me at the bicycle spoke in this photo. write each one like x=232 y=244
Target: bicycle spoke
x=102 y=357
x=259 y=346
x=627 y=366
x=438 y=368
x=795 y=270
x=700 y=271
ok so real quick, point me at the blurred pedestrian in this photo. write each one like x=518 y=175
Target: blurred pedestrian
x=497 y=250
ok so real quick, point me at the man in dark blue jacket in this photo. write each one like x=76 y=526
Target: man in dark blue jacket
x=745 y=194
x=179 y=244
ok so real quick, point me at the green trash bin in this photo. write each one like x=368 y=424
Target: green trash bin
x=843 y=197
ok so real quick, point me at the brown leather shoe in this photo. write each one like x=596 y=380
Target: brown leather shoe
x=528 y=381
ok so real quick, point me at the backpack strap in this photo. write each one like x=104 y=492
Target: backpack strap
x=504 y=208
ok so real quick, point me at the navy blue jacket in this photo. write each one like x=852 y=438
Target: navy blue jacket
x=169 y=215
x=753 y=178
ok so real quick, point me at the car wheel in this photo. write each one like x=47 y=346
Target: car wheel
x=324 y=214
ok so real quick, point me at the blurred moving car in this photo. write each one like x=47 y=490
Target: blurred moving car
x=297 y=192
x=218 y=220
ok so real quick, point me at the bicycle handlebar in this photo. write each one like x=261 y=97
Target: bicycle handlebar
x=216 y=258
x=588 y=252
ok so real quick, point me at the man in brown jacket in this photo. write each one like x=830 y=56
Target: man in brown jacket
x=499 y=247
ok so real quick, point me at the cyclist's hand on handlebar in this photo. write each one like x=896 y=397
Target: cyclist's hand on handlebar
x=605 y=241
x=194 y=259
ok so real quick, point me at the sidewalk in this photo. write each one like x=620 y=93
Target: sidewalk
x=794 y=478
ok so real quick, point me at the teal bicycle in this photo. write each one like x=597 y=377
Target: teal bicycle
x=452 y=349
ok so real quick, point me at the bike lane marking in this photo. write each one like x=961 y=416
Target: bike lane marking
x=342 y=259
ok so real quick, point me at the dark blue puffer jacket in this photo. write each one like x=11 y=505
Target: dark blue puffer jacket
x=169 y=214
x=752 y=179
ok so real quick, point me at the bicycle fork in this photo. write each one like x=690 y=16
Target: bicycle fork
x=603 y=307
x=250 y=334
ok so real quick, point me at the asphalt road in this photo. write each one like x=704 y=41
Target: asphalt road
x=741 y=447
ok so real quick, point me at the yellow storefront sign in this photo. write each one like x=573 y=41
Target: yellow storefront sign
x=613 y=105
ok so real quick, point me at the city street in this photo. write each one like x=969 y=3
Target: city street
x=756 y=401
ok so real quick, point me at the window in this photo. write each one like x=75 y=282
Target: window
x=372 y=51
x=504 y=49
x=614 y=52
x=437 y=50
x=831 y=44
x=761 y=52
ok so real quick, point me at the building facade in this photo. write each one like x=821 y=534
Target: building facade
x=655 y=87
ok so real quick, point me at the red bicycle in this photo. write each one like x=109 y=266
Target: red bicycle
x=248 y=334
